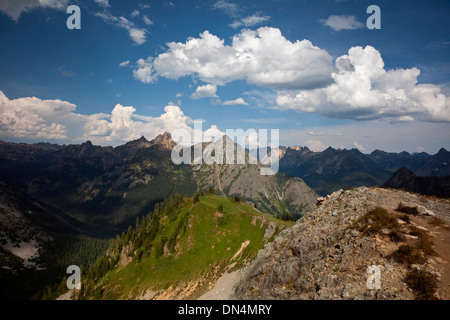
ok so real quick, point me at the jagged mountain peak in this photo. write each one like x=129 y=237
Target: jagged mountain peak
x=142 y=138
x=142 y=142
x=85 y=150
x=226 y=147
x=329 y=149
x=404 y=172
x=442 y=151
x=402 y=178
x=377 y=151
x=297 y=148
x=405 y=179
x=164 y=140
x=404 y=154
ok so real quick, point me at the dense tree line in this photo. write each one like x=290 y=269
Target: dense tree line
x=57 y=255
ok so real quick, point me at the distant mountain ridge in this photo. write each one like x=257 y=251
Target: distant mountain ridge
x=112 y=186
x=406 y=179
x=422 y=164
x=325 y=172
x=334 y=169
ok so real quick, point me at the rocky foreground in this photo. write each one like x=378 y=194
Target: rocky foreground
x=326 y=255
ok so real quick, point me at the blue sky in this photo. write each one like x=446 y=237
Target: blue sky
x=309 y=68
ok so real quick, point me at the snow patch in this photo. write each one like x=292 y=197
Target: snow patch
x=24 y=250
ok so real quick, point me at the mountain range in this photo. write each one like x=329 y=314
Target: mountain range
x=71 y=199
x=61 y=203
x=111 y=186
x=334 y=169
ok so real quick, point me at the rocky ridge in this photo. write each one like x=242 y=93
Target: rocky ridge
x=326 y=255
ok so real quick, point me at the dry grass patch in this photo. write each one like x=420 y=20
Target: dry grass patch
x=406 y=209
x=423 y=283
x=375 y=220
x=407 y=254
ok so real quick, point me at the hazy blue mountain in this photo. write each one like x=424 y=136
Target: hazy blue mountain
x=422 y=164
x=332 y=169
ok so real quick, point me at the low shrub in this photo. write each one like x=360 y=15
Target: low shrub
x=396 y=236
x=423 y=283
x=380 y=219
x=405 y=218
x=425 y=244
x=406 y=209
x=407 y=254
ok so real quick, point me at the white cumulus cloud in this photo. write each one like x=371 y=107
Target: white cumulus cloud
x=236 y=102
x=262 y=57
x=358 y=146
x=35 y=119
x=206 y=91
x=315 y=145
x=32 y=117
x=144 y=71
x=212 y=134
x=364 y=90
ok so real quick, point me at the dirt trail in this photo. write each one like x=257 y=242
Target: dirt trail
x=223 y=288
x=441 y=238
x=440 y=234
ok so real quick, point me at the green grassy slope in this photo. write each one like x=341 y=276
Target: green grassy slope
x=188 y=244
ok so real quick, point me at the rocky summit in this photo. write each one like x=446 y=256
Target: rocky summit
x=327 y=253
